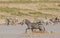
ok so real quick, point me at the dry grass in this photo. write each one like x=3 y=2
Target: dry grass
x=30 y=8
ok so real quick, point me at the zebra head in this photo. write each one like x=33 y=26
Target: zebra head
x=25 y=21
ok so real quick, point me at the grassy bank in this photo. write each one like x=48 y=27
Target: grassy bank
x=17 y=12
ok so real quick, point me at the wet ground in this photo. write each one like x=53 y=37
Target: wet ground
x=18 y=31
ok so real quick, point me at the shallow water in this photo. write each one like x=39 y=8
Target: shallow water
x=20 y=28
x=53 y=28
x=18 y=31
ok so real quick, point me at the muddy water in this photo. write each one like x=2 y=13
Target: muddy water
x=19 y=32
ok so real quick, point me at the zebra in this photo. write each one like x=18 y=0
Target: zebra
x=55 y=20
x=32 y=26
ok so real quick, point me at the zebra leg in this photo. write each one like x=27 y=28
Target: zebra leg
x=32 y=29
x=26 y=30
x=39 y=29
x=42 y=29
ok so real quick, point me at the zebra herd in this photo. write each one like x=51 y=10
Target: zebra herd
x=11 y=21
x=40 y=24
x=35 y=25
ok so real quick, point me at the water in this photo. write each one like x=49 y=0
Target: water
x=53 y=28
x=21 y=29
x=18 y=31
x=12 y=29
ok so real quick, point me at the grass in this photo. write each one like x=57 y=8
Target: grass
x=55 y=9
x=29 y=1
x=13 y=9
x=8 y=9
x=37 y=14
x=20 y=14
x=32 y=13
x=16 y=12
